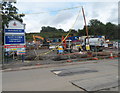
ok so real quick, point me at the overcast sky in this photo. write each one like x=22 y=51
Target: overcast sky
x=103 y=11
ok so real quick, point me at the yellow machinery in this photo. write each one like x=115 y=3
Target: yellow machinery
x=45 y=43
x=34 y=38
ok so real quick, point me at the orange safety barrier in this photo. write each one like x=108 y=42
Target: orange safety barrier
x=69 y=60
x=95 y=58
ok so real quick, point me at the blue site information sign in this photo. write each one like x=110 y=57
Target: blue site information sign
x=15 y=39
x=14 y=31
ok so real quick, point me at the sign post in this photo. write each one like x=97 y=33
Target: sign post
x=22 y=58
x=14 y=38
x=13 y=55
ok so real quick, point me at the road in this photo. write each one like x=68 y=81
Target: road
x=61 y=78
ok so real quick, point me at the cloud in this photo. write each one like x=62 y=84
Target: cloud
x=103 y=11
x=68 y=0
x=62 y=17
x=119 y=13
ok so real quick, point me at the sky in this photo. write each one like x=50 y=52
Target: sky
x=103 y=11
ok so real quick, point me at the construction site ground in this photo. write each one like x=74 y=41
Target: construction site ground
x=37 y=57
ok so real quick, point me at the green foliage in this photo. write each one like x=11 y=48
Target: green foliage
x=50 y=32
x=95 y=27
x=73 y=32
x=111 y=31
x=10 y=12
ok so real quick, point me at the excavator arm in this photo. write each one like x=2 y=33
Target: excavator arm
x=34 y=38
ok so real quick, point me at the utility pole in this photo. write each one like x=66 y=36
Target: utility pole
x=1 y=48
x=85 y=24
x=86 y=28
x=1 y=42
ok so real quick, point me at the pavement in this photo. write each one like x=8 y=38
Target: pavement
x=76 y=76
x=103 y=82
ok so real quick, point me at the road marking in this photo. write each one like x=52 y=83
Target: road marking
x=57 y=72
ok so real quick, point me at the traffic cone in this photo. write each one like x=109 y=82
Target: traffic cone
x=111 y=55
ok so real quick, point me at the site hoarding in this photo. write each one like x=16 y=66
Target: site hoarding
x=14 y=38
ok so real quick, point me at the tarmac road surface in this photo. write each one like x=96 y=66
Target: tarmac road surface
x=75 y=77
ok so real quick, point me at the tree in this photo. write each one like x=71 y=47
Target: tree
x=81 y=32
x=118 y=31
x=73 y=32
x=10 y=12
x=51 y=32
x=111 y=31
x=96 y=27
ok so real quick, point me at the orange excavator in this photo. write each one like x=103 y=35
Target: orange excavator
x=34 y=38
x=45 y=42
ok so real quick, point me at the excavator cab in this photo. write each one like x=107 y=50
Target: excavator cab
x=46 y=42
